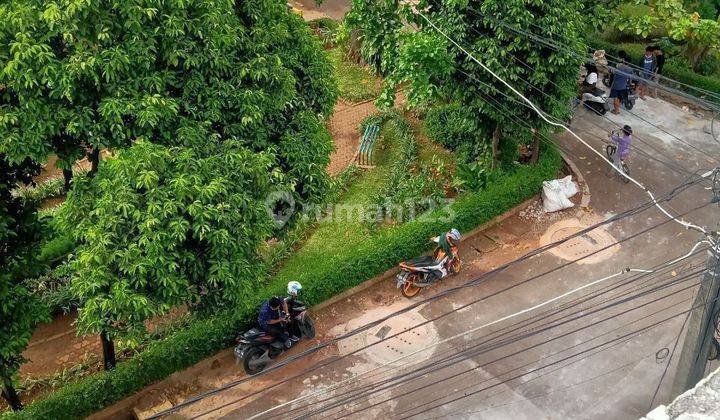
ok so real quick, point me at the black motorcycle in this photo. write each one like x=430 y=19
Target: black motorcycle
x=256 y=348
x=629 y=101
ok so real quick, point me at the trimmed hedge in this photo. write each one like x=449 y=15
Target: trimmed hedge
x=331 y=275
x=672 y=69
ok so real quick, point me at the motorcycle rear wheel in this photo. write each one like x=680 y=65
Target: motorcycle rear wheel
x=252 y=355
x=455 y=265
x=409 y=288
x=307 y=327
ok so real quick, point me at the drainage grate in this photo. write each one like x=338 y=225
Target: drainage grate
x=408 y=341
x=588 y=245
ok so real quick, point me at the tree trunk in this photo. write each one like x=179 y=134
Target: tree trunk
x=108 y=351
x=695 y=52
x=8 y=392
x=94 y=158
x=495 y=144
x=700 y=56
x=68 y=175
x=354 y=47
x=535 y=147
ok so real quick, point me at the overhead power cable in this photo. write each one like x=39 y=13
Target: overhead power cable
x=542 y=92
x=374 y=388
x=541 y=319
x=667 y=365
x=504 y=381
x=556 y=124
x=554 y=390
x=474 y=351
x=495 y=104
x=550 y=43
x=468 y=332
x=534 y=87
x=439 y=295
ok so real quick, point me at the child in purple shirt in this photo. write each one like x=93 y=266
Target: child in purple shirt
x=623 y=142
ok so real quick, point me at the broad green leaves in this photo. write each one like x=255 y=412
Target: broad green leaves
x=501 y=34
x=100 y=74
x=20 y=310
x=160 y=226
x=211 y=105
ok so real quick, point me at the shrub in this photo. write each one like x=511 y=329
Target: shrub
x=451 y=125
x=56 y=249
x=330 y=275
x=326 y=29
x=53 y=289
x=413 y=187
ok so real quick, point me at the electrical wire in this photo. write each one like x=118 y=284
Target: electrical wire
x=502 y=382
x=515 y=339
x=542 y=318
x=549 y=43
x=542 y=91
x=512 y=340
x=551 y=371
x=506 y=112
x=470 y=331
x=667 y=365
x=437 y=296
x=628 y=213
x=559 y=125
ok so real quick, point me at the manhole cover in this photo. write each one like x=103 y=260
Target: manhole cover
x=393 y=348
x=588 y=245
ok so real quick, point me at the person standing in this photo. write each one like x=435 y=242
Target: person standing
x=619 y=86
x=659 y=64
x=647 y=70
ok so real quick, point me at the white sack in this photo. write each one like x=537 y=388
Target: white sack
x=556 y=194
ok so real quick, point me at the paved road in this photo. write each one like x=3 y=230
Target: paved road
x=606 y=378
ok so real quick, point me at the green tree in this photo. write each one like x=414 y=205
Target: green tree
x=80 y=76
x=20 y=310
x=160 y=226
x=380 y=23
x=698 y=35
x=503 y=36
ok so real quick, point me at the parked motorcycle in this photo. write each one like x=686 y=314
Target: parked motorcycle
x=596 y=101
x=629 y=102
x=256 y=348
x=424 y=271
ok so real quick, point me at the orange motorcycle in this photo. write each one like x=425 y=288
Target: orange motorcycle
x=424 y=271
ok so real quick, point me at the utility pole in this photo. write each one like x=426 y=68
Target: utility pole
x=700 y=335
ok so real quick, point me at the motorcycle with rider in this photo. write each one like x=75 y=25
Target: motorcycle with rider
x=282 y=322
x=424 y=271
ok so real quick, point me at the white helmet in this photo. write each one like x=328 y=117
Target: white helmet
x=293 y=288
x=455 y=234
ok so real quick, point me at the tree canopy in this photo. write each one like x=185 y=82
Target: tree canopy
x=502 y=35
x=160 y=226
x=210 y=104
x=80 y=75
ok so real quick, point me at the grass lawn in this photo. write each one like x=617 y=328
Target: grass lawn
x=334 y=235
x=356 y=83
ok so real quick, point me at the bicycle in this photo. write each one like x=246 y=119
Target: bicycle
x=611 y=153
